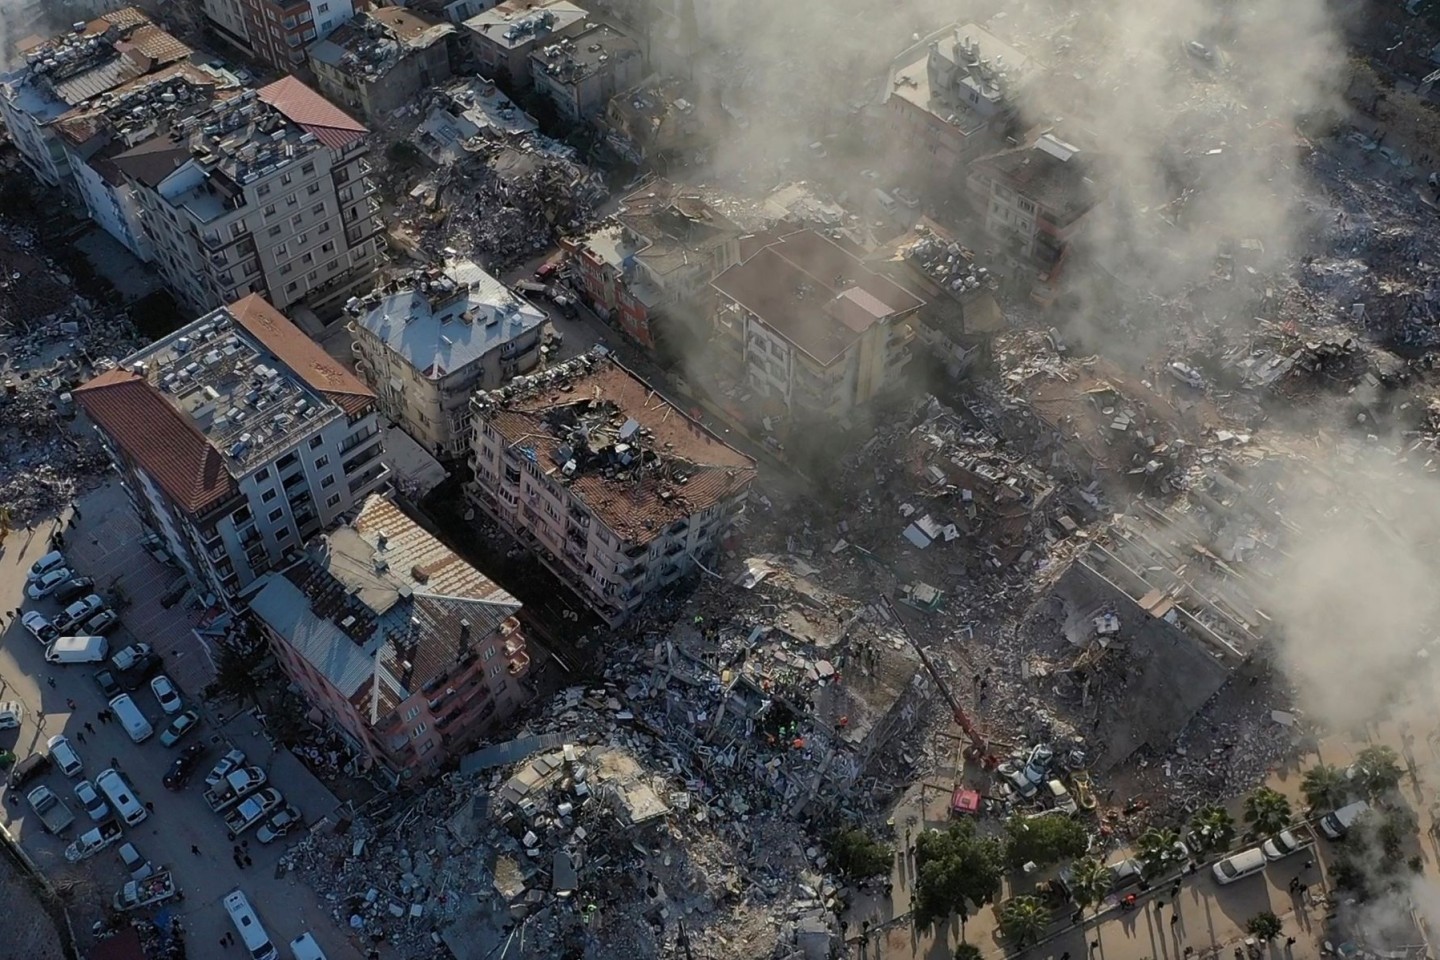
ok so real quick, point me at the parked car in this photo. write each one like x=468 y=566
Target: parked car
x=11 y=713
x=74 y=589
x=179 y=727
x=100 y=623
x=51 y=810
x=109 y=686
x=228 y=764
x=135 y=864
x=53 y=560
x=39 y=626
x=65 y=756
x=166 y=694
x=28 y=769
x=91 y=800
x=81 y=609
x=46 y=584
x=184 y=766
x=1282 y=845
x=279 y=823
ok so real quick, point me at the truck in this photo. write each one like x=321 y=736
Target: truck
x=251 y=811
x=153 y=890
x=93 y=841
x=77 y=650
x=131 y=655
x=236 y=786
x=51 y=810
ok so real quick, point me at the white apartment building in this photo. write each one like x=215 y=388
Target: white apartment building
x=268 y=193
x=237 y=439
x=72 y=69
x=425 y=343
x=617 y=490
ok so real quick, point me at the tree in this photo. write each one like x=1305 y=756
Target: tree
x=1377 y=770
x=1264 y=925
x=1268 y=811
x=1090 y=881
x=955 y=867
x=1022 y=920
x=234 y=675
x=1211 y=829
x=857 y=856
x=967 y=951
x=1159 y=850
x=1043 y=840
x=1324 y=787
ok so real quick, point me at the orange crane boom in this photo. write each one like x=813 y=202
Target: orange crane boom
x=979 y=746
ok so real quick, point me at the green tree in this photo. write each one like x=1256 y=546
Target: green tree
x=955 y=867
x=1264 y=925
x=1377 y=770
x=858 y=856
x=1324 y=787
x=967 y=951
x=1022 y=920
x=235 y=675
x=1158 y=849
x=1043 y=840
x=1397 y=826
x=1211 y=829
x=1090 y=881
x=1268 y=811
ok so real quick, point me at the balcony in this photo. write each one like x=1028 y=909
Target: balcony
x=360 y=459
x=514 y=645
x=352 y=442
x=371 y=478
x=518 y=663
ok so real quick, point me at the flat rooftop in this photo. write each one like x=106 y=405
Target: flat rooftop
x=814 y=293
x=969 y=61
x=636 y=460
x=517 y=24
x=369 y=46
x=573 y=59
x=464 y=111
x=441 y=321
x=136 y=111
x=673 y=225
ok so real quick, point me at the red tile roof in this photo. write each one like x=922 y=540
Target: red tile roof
x=301 y=354
x=158 y=439
x=331 y=126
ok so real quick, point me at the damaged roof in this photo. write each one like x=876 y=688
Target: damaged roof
x=1050 y=172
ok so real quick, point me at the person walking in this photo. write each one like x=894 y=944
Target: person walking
x=194 y=849
x=51 y=682
x=79 y=737
x=248 y=861
x=89 y=729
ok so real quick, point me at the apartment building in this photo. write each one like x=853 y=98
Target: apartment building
x=277 y=32
x=410 y=652
x=72 y=69
x=268 y=193
x=382 y=59
x=579 y=74
x=1035 y=200
x=811 y=328
x=656 y=259
x=953 y=102
x=503 y=37
x=426 y=342
x=657 y=121
x=615 y=489
x=237 y=438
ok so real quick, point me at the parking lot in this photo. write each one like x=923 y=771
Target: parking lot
x=105 y=545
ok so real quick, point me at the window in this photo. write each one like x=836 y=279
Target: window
x=291 y=200
x=285 y=178
x=263 y=190
x=313 y=189
x=269 y=210
x=328 y=482
x=495 y=670
x=332 y=500
x=273 y=231
x=322 y=463
x=411 y=714
x=419 y=731
x=285 y=269
x=296 y=220
x=267 y=496
x=315 y=442
x=324 y=8
x=308 y=168
x=324 y=229
x=318 y=209
x=426 y=747
x=489 y=653
x=301 y=240
x=328 y=246
x=291 y=287
x=307 y=257
x=281 y=249
x=277 y=513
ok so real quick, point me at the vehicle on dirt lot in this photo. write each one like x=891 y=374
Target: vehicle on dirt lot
x=65 y=756
x=39 y=626
x=28 y=769
x=53 y=560
x=80 y=610
x=136 y=865
x=11 y=713
x=93 y=841
x=50 y=809
x=237 y=785
x=91 y=800
x=146 y=893
x=46 y=584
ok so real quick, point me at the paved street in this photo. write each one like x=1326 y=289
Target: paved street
x=105 y=546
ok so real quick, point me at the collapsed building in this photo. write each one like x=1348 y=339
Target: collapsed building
x=382 y=59
x=616 y=490
x=405 y=648
x=659 y=119
x=465 y=115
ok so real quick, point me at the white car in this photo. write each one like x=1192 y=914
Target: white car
x=91 y=800
x=232 y=761
x=11 y=713
x=1281 y=845
x=40 y=628
x=45 y=584
x=53 y=560
x=65 y=756
x=79 y=610
x=166 y=693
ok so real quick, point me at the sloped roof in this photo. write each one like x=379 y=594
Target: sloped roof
x=158 y=439
x=301 y=354
x=151 y=161
x=313 y=113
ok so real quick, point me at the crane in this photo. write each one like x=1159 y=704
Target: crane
x=979 y=748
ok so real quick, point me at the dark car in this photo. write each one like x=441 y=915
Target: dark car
x=109 y=686
x=180 y=771
x=141 y=671
x=28 y=769
x=74 y=589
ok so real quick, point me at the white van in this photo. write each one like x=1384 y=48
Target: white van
x=1240 y=866
x=248 y=926
x=131 y=718
x=305 y=948
x=78 y=650
x=1337 y=823
x=886 y=202
x=121 y=795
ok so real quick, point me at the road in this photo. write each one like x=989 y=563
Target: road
x=180 y=819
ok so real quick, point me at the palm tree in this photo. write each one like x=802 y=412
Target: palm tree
x=1211 y=829
x=1157 y=849
x=1022 y=920
x=967 y=951
x=1377 y=769
x=1090 y=881
x=1324 y=787
x=1268 y=811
